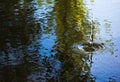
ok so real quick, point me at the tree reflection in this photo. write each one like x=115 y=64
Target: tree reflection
x=24 y=37
x=72 y=28
x=19 y=32
x=24 y=32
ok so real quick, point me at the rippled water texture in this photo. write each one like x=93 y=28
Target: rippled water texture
x=59 y=41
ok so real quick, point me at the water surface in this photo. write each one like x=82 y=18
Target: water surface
x=59 y=41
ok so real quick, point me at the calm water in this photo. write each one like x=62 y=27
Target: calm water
x=59 y=41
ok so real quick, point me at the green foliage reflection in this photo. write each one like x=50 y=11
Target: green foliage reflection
x=72 y=22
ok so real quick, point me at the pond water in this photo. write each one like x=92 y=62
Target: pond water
x=107 y=63
x=59 y=41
